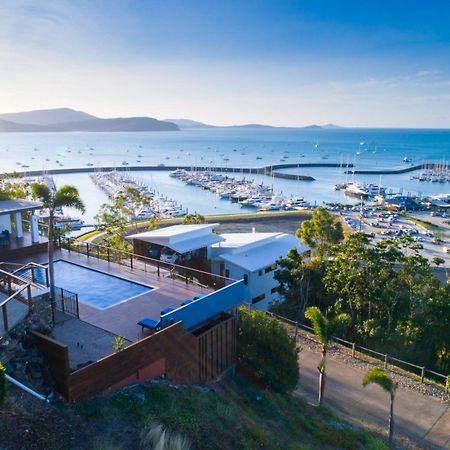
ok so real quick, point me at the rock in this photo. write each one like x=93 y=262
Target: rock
x=35 y=370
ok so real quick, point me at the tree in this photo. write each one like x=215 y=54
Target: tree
x=437 y=261
x=265 y=347
x=65 y=197
x=321 y=232
x=194 y=218
x=3 y=385
x=300 y=282
x=324 y=329
x=381 y=377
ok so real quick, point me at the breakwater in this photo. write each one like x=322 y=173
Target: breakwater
x=265 y=170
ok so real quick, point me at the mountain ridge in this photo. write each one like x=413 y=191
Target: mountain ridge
x=67 y=119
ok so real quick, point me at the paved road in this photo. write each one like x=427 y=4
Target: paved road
x=424 y=419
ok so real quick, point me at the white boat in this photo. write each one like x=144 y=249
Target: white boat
x=407 y=159
x=73 y=222
x=178 y=173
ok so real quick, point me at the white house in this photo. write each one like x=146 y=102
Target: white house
x=249 y=256
x=253 y=257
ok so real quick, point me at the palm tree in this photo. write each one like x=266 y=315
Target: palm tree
x=66 y=196
x=381 y=377
x=324 y=329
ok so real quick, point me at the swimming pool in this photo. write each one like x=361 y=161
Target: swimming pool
x=95 y=288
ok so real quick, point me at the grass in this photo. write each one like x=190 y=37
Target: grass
x=427 y=225
x=234 y=418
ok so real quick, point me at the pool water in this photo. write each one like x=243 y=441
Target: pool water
x=98 y=289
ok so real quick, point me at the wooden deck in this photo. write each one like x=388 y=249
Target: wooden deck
x=18 y=247
x=121 y=319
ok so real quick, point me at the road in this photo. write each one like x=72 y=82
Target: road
x=425 y=420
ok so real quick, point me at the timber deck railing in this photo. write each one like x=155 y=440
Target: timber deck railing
x=384 y=360
x=154 y=266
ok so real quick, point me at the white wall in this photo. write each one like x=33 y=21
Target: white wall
x=256 y=286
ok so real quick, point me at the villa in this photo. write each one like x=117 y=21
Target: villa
x=251 y=257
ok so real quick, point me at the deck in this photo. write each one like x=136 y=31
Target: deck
x=18 y=247
x=121 y=319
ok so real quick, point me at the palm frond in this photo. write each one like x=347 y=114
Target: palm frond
x=319 y=323
x=41 y=191
x=380 y=377
x=68 y=196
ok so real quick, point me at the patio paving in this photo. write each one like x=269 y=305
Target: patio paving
x=121 y=319
x=87 y=343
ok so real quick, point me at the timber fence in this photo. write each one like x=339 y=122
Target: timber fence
x=384 y=360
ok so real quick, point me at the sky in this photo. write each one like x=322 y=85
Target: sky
x=287 y=63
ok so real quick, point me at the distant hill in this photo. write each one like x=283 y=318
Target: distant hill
x=7 y=126
x=47 y=117
x=118 y=124
x=331 y=125
x=66 y=119
x=187 y=123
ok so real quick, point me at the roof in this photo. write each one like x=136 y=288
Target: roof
x=181 y=238
x=12 y=206
x=256 y=258
x=240 y=240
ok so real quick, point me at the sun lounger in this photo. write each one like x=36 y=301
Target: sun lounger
x=166 y=311
x=186 y=302
x=149 y=324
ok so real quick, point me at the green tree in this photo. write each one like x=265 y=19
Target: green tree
x=381 y=377
x=321 y=232
x=324 y=328
x=265 y=346
x=438 y=261
x=300 y=282
x=65 y=197
x=193 y=219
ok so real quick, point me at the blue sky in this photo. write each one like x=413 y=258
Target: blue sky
x=355 y=63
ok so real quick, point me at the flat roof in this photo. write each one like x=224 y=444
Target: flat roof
x=261 y=256
x=12 y=206
x=181 y=238
x=236 y=240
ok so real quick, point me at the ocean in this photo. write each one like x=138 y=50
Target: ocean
x=232 y=147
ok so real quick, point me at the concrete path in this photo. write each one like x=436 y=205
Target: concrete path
x=426 y=420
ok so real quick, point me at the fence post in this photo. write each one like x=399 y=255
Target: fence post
x=62 y=300
x=5 y=318
x=131 y=260
x=422 y=375
x=68 y=244
x=353 y=349
x=447 y=383
x=157 y=267
x=29 y=299
x=385 y=361
x=33 y=277
x=78 y=307
x=87 y=249
x=107 y=252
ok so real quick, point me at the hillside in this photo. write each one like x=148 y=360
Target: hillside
x=66 y=119
x=230 y=417
x=187 y=123
x=46 y=117
x=118 y=124
x=7 y=126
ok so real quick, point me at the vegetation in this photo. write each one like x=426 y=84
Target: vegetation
x=3 y=385
x=238 y=417
x=265 y=347
x=118 y=343
x=382 y=379
x=424 y=223
x=395 y=301
x=321 y=232
x=114 y=219
x=324 y=329
x=193 y=218
x=155 y=436
x=65 y=196
x=10 y=188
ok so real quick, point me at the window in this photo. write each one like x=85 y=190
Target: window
x=227 y=273
x=258 y=299
x=245 y=279
x=260 y=272
x=270 y=268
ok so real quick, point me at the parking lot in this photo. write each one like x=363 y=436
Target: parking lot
x=382 y=224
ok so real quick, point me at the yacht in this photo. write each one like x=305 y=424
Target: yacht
x=73 y=222
x=407 y=159
x=178 y=173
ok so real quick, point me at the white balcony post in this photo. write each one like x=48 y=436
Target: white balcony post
x=19 y=225
x=34 y=229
